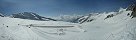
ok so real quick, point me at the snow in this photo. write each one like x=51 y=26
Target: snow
x=118 y=27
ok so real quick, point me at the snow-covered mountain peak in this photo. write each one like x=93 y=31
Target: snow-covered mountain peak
x=94 y=26
x=103 y=16
x=30 y=15
x=133 y=9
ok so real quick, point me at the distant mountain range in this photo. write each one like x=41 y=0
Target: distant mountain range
x=72 y=18
x=118 y=25
x=31 y=16
x=91 y=17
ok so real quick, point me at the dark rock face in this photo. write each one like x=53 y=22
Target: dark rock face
x=1 y=15
x=133 y=9
x=109 y=16
x=85 y=19
x=31 y=15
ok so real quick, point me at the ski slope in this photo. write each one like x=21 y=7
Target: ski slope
x=118 y=27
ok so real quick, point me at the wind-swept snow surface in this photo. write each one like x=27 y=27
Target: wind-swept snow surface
x=118 y=27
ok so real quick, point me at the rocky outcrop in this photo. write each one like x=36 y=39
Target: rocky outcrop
x=1 y=15
x=87 y=18
x=109 y=16
x=133 y=9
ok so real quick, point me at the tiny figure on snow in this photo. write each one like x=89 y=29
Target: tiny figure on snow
x=7 y=26
x=18 y=24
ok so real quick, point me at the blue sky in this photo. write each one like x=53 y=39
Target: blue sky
x=61 y=7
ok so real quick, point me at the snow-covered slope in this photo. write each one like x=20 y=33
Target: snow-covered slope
x=18 y=29
x=102 y=26
x=119 y=27
x=30 y=15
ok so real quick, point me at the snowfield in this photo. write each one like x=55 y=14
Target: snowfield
x=118 y=27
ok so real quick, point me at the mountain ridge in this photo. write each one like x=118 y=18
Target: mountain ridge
x=1 y=15
x=31 y=16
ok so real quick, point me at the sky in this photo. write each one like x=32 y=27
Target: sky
x=61 y=7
